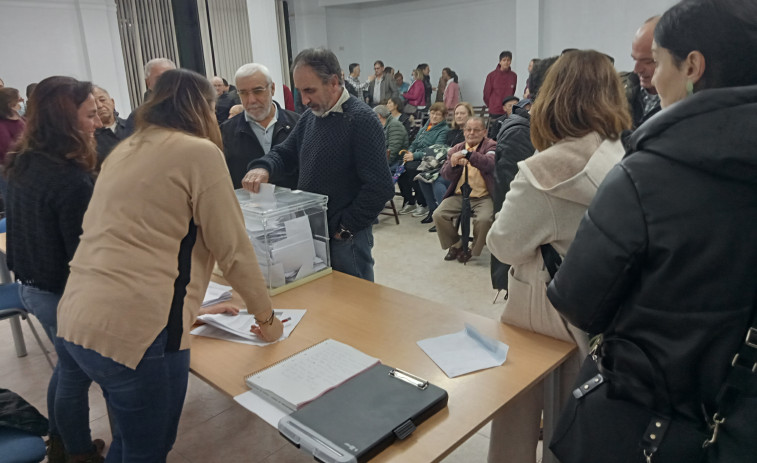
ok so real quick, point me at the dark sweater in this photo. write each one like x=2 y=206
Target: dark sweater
x=45 y=206
x=342 y=156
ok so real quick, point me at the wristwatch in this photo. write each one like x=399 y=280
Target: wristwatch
x=343 y=233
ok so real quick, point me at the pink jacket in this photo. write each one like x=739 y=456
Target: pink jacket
x=416 y=95
x=451 y=95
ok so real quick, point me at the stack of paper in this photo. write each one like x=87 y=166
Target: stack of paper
x=236 y=328
x=216 y=293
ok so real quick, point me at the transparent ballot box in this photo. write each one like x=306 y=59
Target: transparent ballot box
x=289 y=231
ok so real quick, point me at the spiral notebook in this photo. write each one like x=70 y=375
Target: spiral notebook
x=310 y=373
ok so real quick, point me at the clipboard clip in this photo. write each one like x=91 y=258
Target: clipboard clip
x=420 y=383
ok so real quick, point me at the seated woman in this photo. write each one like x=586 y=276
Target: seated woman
x=435 y=132
x=663 y=264
x=546 y=201
x=432 y=185
x=395 y=106
x=141 y=269
x=395 y=134
x=50 y=181
x=416 y=95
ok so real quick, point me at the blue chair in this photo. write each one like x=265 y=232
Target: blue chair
x=20 y=447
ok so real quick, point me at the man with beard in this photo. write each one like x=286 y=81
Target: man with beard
x=339 y=147
x=262 y=125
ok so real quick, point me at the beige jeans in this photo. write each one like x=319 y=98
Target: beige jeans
x=446 y=218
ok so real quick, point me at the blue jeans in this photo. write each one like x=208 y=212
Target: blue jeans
x=353 y=256
x=145 y=403
x=434 y=192
x=67 y=397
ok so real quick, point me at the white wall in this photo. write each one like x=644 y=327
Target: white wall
x=464 y=36
x=468 y=36
x=77 y=38
x=606 y=26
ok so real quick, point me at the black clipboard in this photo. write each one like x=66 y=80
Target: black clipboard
x=360 y=418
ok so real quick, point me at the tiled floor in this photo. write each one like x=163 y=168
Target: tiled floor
x=214 y=428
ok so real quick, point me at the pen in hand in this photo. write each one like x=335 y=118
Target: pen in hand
x=286 y=320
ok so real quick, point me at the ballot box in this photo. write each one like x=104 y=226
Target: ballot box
x=289 y=231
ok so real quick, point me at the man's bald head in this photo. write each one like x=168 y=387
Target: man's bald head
x=641 y=52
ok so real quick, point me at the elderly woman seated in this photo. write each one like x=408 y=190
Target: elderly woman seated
x=395 y=134
x=434 y=132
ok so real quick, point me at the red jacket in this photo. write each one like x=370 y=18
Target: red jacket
x=499 y=84
x=416 y=96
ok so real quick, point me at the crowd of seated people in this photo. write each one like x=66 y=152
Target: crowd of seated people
x=638 y=200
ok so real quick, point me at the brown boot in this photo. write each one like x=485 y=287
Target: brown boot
x=56 y=452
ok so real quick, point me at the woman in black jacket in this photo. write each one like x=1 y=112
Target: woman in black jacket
x=664 y=262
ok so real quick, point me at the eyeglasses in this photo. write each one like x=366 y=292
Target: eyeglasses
x=471 y=129
x=260 y=91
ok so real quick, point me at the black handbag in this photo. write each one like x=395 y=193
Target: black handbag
x=596 y=426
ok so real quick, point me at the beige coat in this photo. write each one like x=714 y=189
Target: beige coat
x=545 y=204
x=121 y=287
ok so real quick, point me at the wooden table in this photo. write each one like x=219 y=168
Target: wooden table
x=386 y=323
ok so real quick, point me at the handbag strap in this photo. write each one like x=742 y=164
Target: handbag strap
x=740 y=378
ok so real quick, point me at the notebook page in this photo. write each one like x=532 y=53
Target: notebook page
x=310 y=373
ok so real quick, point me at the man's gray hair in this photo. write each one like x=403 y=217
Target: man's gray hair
x=322 y=61
x=382 y=111
x=477 y=118
x=162 y=61
x=249 y=69
x=100 y=88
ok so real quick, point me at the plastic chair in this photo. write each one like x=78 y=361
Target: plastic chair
x=11 y=306
x=20 y=447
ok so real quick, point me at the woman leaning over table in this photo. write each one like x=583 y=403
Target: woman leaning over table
x=49 y=184
x=664 y=260
x=162 y=212
x=576 y=124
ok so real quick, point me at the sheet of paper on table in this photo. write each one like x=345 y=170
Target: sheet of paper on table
x=236 y=328
x=464 y=352
x=216 y=293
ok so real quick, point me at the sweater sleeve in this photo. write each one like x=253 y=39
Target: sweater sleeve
x=218 y=215
x=604 y=261
x=284 y=157
x=525 y=222
x=369 y=150
x=483 y=161
x=70 y=205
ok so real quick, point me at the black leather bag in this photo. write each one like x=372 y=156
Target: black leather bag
x=596 y=426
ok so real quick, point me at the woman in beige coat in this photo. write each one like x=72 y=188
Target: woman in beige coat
x=576 y=123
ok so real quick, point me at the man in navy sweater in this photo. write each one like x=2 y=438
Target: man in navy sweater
x=340 y=149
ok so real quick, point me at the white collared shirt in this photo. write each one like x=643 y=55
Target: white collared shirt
x=337 y=108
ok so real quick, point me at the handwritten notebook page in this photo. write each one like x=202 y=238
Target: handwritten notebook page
x=308 y=374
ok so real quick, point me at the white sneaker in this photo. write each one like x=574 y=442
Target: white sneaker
x=407 y=209
x=420 y=212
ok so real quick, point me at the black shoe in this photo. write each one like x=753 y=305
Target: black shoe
x=432 y=229
x=464 y=256
x=429 y=218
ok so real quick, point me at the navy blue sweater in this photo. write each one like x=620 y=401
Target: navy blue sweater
x=45 y=205
x=342 y=156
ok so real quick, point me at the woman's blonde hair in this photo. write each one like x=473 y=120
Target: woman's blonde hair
x=468 y=107
x=582 y=93
x=182 y=100
x=418 y=74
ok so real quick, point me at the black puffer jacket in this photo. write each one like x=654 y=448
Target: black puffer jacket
x=513 y=145
x=666 y=256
